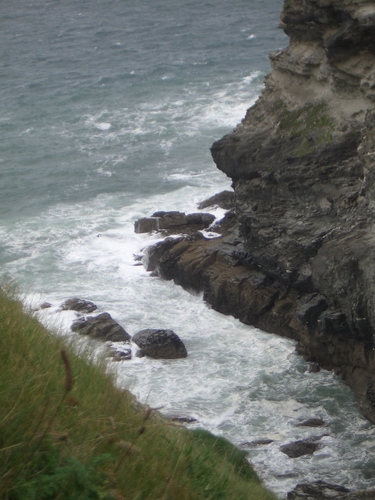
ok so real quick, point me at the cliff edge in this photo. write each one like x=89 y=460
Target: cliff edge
x=297 y=253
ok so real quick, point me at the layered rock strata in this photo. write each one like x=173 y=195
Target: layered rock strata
x=302 y=168
x=298 y=255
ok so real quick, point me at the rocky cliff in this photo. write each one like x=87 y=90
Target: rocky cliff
x=297 y=255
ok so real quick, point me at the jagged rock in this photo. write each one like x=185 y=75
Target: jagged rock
x=226 y=224
x=164 y=344
x=257 y=442
x=300 y=448
x=319 y=490
x=312 y=422
x=310 y=308
x=80 y=305
x=174 y=222
x=298 y=257
x=184 y=420
x=224 y=200
x=102 y=327
x=146 y=225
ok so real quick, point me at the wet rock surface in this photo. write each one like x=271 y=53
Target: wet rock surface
x=79 y=305
x=318 y=490
x=321 y=490
x=300 y=448
x=160 y=344
x=295 y=256
x=102 y=327
x=174 y=222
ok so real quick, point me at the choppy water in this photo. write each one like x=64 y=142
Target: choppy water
x=108 y=112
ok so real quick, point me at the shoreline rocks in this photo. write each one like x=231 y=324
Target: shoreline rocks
x=295 y=257
x=154 y=343
x=173 y=222
x=160 y=344
x=102 y=326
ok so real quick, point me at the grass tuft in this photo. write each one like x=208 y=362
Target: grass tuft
x=67 y=431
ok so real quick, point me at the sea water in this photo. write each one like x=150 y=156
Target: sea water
x=108 y=111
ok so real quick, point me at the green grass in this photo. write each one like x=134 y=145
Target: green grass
x=67 y=431
x=311 y=126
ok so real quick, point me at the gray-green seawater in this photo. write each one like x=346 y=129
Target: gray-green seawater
x=108 y=110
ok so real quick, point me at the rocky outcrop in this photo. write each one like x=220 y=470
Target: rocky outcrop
x=160 y=344
x=320 y=490
x=174 y=222
x=296 y=258
x=301 y=447
x=102 y=327
x=79 y=305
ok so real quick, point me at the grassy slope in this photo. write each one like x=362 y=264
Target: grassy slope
x=89 y=439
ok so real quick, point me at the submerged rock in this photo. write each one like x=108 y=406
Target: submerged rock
x=257 y=442
x=311 y=422
x=120 y=354
x=319 y=490
x=101 y=327
x=163 y=344
x=80 y=305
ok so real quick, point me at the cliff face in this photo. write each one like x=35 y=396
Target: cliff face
x=298 y=255
x=302 y=165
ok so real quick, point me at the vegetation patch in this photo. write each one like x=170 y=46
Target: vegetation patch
x=309 y=127
x=67 y=431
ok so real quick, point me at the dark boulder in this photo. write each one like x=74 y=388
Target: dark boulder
x=163 y=344
x=79 y=305
x=184 y=420
x=300 y=448
x=319 y=490
x=102 y=327
x=311 y=422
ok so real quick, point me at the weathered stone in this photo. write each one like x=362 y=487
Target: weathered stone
x=319 y=490
x=297 y=256
x=183 y=420
x=174 y=222
x=257 y=442
x=299 y=448
x=224 y=200
x=310 y=307
x=312 y=422
x=80 y=305
x=164 y=344
x=102 y=327
x=146 y=225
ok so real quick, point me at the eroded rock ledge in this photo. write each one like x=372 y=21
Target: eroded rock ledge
x=297 y=253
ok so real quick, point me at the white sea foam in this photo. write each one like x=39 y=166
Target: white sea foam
x=93 y=256
x=120 y=147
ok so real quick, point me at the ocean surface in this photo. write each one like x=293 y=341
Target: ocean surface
x=108 y=111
